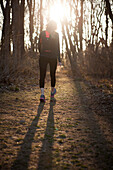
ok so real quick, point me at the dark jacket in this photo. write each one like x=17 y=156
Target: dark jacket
x=49 y=44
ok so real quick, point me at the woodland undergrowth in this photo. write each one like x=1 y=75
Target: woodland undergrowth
x=95 y=66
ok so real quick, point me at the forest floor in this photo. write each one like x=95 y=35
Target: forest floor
x=73 y=132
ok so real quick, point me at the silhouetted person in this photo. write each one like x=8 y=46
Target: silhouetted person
x=49 y=53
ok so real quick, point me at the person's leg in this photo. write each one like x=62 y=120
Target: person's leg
x=53 y=66
x=43 y=65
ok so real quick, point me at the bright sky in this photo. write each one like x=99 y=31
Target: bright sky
x=59 y=12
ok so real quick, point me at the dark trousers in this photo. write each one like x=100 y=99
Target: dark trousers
x=43 y=62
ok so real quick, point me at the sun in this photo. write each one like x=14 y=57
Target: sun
x=58 y=12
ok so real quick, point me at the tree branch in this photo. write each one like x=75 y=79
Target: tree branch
x=2 y=7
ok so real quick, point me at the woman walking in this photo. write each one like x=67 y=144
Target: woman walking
x=49 y=53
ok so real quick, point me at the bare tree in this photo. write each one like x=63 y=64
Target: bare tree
x=5 y=40
x=41 y=16
x=31 y=7
x=106 y=30
x=22 y=6
x=18 y=30
x=81 y=25
x=108 y=6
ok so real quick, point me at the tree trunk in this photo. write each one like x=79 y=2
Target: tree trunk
x=5 y=46
x=81 y=26
x=106 y=30
x=31 y=24
x=91 y=37
x=108 y=6
x=41 y=16
x=22 y=28
x=70 y=41
x=18 y=30
x=15 y=30
x=112 y=33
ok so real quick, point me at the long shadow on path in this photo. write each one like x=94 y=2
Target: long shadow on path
x=45 y=155
x=102 y=154
x=23 y=156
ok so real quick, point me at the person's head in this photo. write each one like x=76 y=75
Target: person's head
x=51 y=26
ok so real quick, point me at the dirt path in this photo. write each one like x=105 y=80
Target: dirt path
x=75 y=132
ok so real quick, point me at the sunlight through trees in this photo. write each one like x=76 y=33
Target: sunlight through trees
x=82 y=24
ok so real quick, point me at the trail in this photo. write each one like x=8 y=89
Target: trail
x=73 y=132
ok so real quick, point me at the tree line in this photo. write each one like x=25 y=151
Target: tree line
x=90 y=25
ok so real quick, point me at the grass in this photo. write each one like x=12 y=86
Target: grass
x=70 y=142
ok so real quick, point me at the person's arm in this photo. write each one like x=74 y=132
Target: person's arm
x=39 y=42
